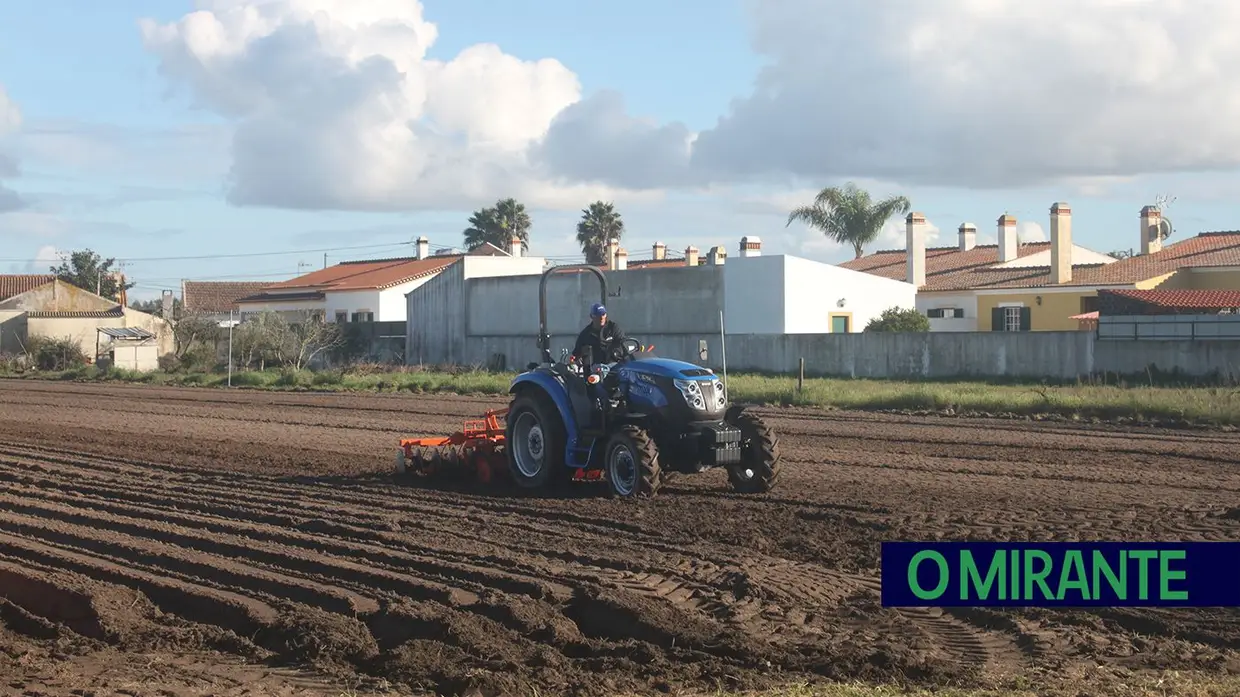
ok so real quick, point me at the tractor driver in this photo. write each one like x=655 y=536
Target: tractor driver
x=601 y=335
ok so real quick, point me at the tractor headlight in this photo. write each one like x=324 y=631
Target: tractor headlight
x=692 y=392
x=721 y=395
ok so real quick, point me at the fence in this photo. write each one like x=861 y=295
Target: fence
x=1143 y=327
x=1051 y=355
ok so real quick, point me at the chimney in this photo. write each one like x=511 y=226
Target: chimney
x=622 y=259
x=1007 y=237
x=915 y=249
x=514 y=246
x=691 y=256
x=660 y=251
x=717 y=256
x=613 y=246
x=1061 y=243
x=968 y=236
x=751 y=246
x=1151 y=227
x=424 y=247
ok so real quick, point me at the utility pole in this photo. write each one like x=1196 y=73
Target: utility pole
x=325 y=260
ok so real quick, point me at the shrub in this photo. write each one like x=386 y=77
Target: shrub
x=55 y=354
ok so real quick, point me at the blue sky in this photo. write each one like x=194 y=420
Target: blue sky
x=133 y=161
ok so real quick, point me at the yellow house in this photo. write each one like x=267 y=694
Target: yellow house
x=1045 y=286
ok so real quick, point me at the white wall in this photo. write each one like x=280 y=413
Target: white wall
x=964 y=301
x=753 y=295
x=350 y=301
x=812 y=289
x=487 y=267
x=281 y=306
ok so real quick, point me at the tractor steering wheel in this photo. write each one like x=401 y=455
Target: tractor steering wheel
x=626 y=348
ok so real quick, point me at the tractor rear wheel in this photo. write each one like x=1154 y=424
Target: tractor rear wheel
x=534 y=440
x=632 y=463
x=758 y=470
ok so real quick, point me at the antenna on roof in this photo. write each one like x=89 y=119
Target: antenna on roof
x=1165 y=228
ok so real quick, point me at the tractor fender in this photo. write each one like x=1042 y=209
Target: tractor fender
x=551 y=387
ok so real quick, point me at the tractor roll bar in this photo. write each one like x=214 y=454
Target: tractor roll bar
x=544 y=339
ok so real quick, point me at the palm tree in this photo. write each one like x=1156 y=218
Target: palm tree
x=848 y=215
x=599 y=223
x=498 y=225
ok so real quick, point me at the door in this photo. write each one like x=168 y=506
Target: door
x=839 y=324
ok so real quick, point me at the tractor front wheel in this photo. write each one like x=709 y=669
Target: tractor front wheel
x=632 y=463
x=534 y=441
x=758 y=470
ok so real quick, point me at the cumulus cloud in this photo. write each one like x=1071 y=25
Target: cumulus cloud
x=981 y=93
x=336 y=105
x=10 y=121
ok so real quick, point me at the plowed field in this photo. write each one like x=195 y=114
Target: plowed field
x=210 y=542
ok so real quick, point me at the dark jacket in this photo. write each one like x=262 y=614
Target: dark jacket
x=601 y=340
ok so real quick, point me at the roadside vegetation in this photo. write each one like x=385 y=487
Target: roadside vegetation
x=271 y=352
x=1098 y=400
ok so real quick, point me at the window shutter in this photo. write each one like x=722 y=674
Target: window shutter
x=1026 y=318
x=996 y=319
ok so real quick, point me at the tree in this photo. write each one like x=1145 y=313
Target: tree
x=88 y=271
x=599 y=224
x=895 y=319
x=848 y=215
x=498 y=225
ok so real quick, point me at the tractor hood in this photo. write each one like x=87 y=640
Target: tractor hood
x=668 y=368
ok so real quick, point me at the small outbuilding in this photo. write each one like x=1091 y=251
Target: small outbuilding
x=131 y=348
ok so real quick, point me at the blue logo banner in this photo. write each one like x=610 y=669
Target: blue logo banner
x=1060 y=574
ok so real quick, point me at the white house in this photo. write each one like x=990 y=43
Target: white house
x=786 y=294
x=375 y=290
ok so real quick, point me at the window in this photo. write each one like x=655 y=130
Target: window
x=363 y=316
x=342 y=316
x=941 y=312
x=1089 y=303
x=839 y=324
x=1013 y=318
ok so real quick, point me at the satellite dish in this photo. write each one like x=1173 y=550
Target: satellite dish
x=1162 y=230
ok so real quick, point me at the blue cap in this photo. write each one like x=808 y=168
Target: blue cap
x=597 y=310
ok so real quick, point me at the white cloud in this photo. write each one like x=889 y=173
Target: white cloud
x=10 y=121
x=336 y=105
x=981 y=93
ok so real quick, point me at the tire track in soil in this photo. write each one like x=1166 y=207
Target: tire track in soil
x=796 y=583
x=772 y=621
x=561 y=591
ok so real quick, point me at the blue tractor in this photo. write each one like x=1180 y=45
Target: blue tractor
x=629 y=418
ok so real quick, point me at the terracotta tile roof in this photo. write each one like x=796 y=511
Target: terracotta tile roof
x=117 y=311
x=1178 y=299
x=218 y=296
x=288 y=296
x=16 y=284
x=376 y=274
x=947 y=268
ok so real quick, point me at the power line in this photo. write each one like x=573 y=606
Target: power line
x=249 y=254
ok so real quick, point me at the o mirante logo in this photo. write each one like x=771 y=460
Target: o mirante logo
x=1063 y=574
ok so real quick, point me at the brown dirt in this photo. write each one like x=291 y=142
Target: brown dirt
x=193 y=541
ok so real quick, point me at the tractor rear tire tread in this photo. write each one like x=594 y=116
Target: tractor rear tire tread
x=763 y=456
x=554 y=438
x=649 y=469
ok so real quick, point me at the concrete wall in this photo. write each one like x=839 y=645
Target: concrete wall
x=1050 y=355
x=652 y=301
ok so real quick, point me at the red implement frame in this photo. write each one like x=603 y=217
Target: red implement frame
x=478 y=446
